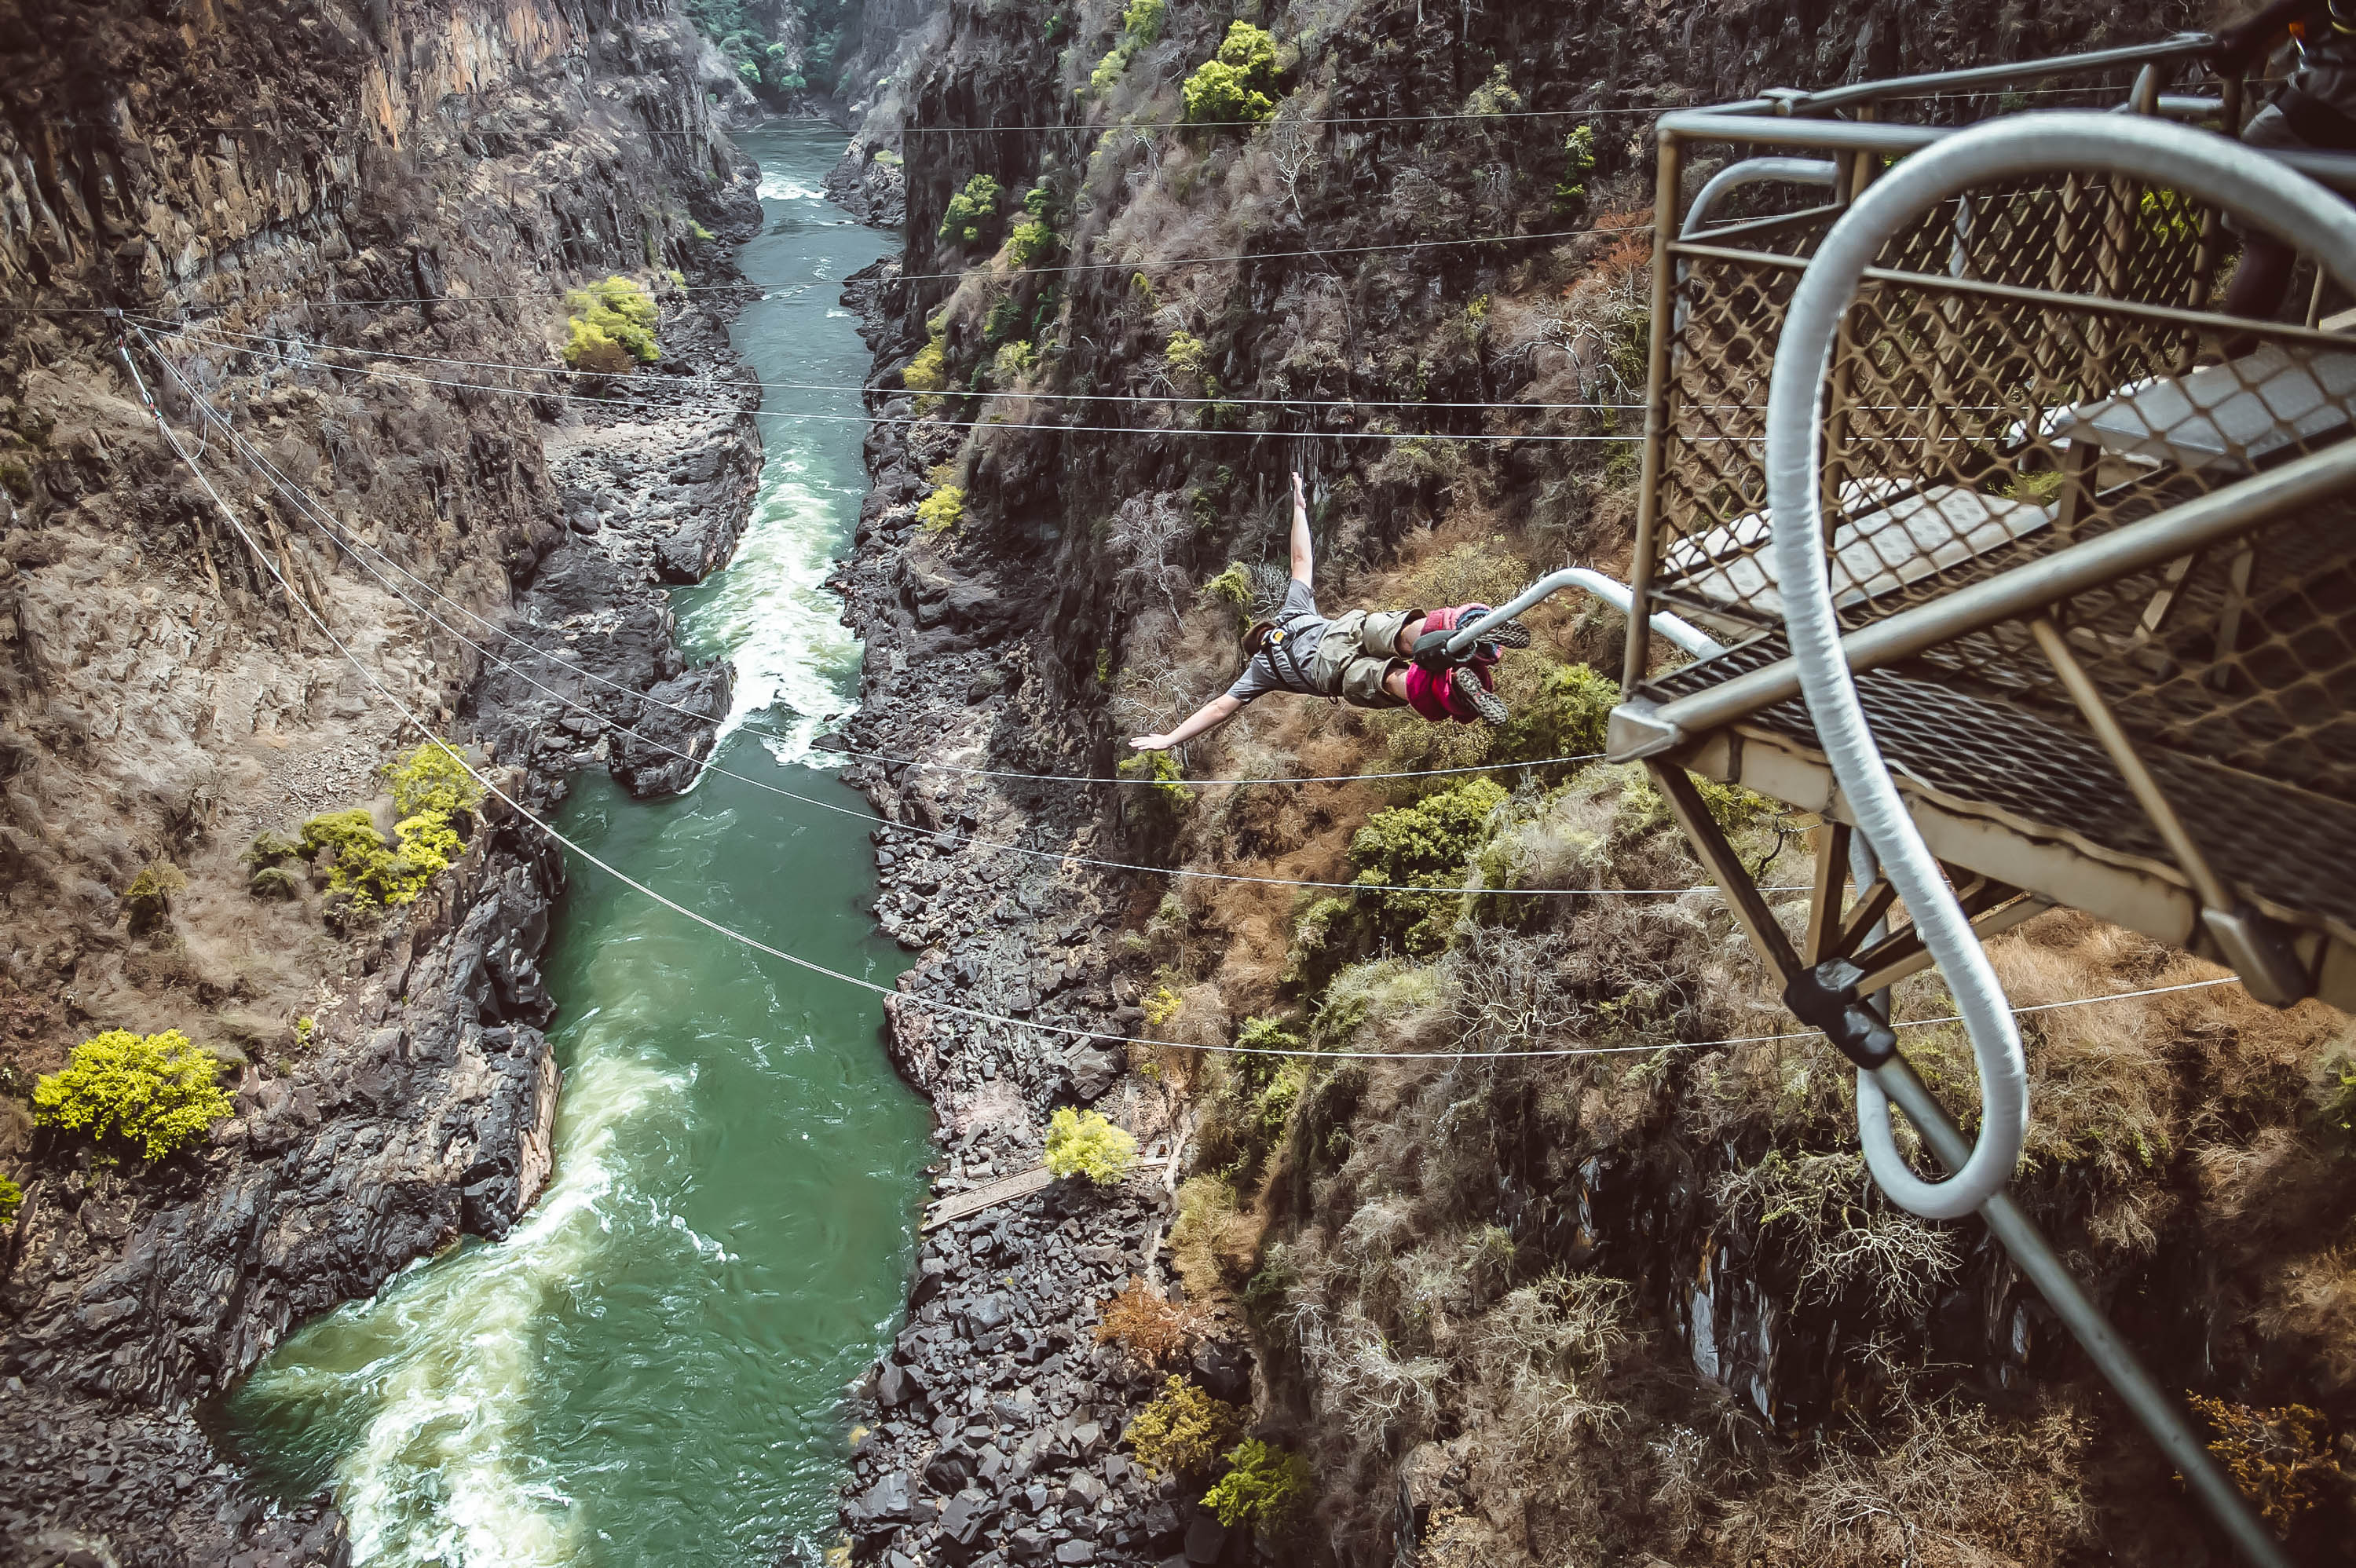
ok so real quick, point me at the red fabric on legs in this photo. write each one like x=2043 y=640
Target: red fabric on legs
x=1428 y=694
x=1433 y=694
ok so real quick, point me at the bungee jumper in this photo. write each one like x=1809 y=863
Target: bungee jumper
x=1367 y=658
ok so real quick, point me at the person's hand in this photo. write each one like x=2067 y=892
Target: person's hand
x=1300 y=495
x=1151 y=743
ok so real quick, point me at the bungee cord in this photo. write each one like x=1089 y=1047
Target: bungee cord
x=308 y=507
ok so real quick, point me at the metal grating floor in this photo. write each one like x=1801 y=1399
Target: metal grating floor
x=2285 y=846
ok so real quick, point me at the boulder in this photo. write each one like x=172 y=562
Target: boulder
x=1206 y=1538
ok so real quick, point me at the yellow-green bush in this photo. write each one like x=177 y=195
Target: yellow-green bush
x=366 y=870
x=940 y=511
x=1140 y=24
x=1186 y=353
x=1261 y=1488
x=972 y=212
x=1030 y=242
x=148 y=899
x=1425 y=845
x=432 y=778
x=12 y=1198
x=1566 y=718
x=1015 y=361
x=1161 y=1005
x=1183 y=1430
x=156 y=1091
x=1235 y=84
x=2281 y=1459
x=928 y=372
x=1082 y=1143
x=612 y=330
x=1578 y=162
x=1234 y=585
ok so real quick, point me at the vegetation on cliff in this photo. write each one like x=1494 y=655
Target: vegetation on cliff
x=154 y=1095
x=1640 y=1302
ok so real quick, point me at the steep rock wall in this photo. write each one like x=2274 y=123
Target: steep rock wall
x=422 y=178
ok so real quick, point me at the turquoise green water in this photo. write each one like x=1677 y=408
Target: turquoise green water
x=648 y=1370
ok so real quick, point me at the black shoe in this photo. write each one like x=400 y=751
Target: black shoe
x=1508 y=634
x=1483 y=702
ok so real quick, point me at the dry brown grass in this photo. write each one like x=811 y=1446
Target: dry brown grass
x=1151 y=1328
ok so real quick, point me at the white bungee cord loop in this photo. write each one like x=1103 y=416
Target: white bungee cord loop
x=2198 y=163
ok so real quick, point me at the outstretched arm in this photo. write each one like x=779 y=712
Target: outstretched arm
x=1304 y=561
x=1210 y=716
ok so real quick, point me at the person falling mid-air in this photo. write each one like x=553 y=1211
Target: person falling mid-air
x=1369 y=658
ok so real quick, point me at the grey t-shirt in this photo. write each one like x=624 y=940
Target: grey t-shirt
x=1303 y=629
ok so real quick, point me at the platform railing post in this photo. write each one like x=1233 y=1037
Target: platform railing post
x=1665 y=186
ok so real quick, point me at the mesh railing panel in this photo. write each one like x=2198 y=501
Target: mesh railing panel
x=2026 y=369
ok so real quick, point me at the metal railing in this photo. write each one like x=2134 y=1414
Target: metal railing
x=2087 y=560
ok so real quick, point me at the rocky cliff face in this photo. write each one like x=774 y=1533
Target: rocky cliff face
x=423 y=179
x=1642 y=1309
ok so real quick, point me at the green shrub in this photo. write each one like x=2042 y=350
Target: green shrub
x=1082 y=1143
x=613 y=328
x=365 y=870
x=1732 y=807
x=1567 y=717
x=1235 y=84
x=1235 y=586
x=1494 y=96
x=432 y=778
x=1309 y=961
x=269 y=847
x=273 y=882
x=1141 y=21
x=1161 y=1004
x=1261 y=1490
x=1183 y=1430
x=12 y=1198
x=972 y=212
x=940 y=511
x=1029 y=242
x=1015 y=361
x=1140 y=25
x=1578 y=162
x=148 y=899
x=928 y=372
x=1186 y=355
x=1161 y=769
x=1425 y=845
x=156 y=1092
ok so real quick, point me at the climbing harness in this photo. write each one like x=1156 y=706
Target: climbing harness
x=1278 y=645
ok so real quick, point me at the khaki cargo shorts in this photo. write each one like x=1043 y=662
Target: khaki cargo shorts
x=1356 y=652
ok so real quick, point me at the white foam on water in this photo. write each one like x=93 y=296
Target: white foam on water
x=443 y=1472
x=777 y=618
x=781 y=188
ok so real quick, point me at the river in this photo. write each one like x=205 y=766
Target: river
x=650 y=1368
